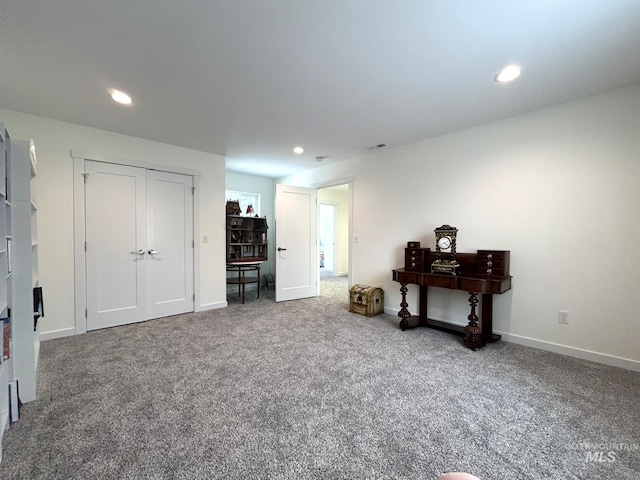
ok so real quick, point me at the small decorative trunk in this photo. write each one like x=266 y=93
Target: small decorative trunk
x=366 y=300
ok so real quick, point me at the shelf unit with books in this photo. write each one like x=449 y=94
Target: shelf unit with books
x=6 y=364
x=24 y=278
x=246 y=239
x=18 y=276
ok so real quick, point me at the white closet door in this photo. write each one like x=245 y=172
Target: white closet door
x=115 y=244
x=169 y=244
x=139 y=244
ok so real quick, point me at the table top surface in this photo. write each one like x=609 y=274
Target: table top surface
x=470 y=281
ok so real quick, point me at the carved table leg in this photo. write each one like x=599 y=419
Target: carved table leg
x=473 y=338
x=404 y=314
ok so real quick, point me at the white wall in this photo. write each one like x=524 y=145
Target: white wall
x=54 y=183
x=559 y=187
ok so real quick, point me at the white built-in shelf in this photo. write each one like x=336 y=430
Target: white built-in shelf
x=18 y=259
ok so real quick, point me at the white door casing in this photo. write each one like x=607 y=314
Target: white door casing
x=296 y=243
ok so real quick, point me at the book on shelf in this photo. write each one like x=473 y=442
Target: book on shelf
x=38 y=306
x=8 y=255
x=6 y=338
x=14 y=402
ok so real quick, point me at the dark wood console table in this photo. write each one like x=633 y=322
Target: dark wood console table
x=242 y=280
x=484 y=273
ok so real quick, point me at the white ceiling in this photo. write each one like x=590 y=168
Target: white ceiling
x=250 y=79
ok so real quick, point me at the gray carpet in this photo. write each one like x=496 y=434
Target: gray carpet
x=307 y=390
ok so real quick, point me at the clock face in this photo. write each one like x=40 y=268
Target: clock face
x=444 y=242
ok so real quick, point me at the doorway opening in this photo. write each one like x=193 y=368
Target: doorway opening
x=326 y=238
x=334 y=224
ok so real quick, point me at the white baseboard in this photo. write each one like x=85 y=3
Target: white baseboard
x=211 y=306
x=64 y=332
x=583 y=354
x=69 y=332
x=394 y=311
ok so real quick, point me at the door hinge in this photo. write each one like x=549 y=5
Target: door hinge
x=194 y=297
x=193 y=244
x=85 y=246
x=193 y=190
x=85 y=175
x=85 y=313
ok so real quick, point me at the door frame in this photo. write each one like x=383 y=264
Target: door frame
x=349 y=181
x=80 y=270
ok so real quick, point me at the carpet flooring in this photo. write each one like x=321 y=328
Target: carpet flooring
x=306 y=390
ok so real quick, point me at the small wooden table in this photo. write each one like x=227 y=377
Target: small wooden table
x=242 y=279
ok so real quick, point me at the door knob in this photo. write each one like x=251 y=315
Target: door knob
x=152 y=251
x=280 y=249
x=141 y=252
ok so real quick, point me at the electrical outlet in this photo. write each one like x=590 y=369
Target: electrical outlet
x=563 y=317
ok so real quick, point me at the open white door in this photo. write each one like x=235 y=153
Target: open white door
x=296 y=243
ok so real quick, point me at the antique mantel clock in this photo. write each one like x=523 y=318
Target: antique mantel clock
x=445 y=243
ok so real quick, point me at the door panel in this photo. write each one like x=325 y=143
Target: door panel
x=296 y=237
x=116 y=272
x=139 y=237
x=170 y=243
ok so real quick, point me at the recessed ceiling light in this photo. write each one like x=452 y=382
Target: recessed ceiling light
x=508 y=74
x=120 y=97
x=298 y=150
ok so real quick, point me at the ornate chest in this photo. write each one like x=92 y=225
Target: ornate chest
x=366 y=300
